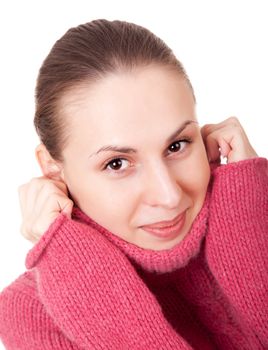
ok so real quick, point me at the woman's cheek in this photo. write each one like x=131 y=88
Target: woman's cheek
x=195 y=173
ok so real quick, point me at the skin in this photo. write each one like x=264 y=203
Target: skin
x=162 y=178
x=158 y=180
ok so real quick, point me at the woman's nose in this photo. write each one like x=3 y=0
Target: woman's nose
x=161 y=188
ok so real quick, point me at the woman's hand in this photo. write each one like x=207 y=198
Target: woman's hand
x=41 y=202
x=227 y=139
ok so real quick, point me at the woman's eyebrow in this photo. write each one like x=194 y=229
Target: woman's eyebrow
x=128 y=150
x=180 y=129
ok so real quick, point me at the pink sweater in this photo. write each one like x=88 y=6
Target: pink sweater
x=88 y=289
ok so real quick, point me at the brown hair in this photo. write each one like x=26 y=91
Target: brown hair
x=87 y=53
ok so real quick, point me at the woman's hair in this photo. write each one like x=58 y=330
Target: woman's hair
x=87 y=53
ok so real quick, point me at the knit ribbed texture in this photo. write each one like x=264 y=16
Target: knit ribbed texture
x=159 y=261
x=88 y=289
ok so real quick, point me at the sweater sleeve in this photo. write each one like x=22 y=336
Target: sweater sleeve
x=93 y=293
x=237 y=240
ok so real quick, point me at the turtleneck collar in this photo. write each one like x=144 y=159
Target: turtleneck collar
x=162 y=261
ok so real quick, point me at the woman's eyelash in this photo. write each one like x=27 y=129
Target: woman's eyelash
x=119 y=161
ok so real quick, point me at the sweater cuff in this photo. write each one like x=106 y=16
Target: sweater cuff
x=239 y=189
x=258 y=162
x=35 y=253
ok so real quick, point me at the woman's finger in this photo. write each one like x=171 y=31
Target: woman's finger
x=209 y=128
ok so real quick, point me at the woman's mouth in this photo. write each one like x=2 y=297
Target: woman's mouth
x=167 y=229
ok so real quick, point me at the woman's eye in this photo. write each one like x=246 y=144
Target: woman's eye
x=179 y=145
x=117 y=164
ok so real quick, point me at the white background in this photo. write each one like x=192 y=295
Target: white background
x=222 y=44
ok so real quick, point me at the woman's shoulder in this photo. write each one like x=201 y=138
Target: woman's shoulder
x=21 y=287
x=18 y=302
x=24 y=321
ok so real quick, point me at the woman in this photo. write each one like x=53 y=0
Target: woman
x=146 y=241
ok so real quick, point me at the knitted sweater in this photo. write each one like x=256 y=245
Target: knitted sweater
x=89 y=289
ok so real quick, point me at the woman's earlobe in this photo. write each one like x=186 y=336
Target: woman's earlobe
x=49 y=166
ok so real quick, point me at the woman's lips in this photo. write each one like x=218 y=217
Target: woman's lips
x=166 y=229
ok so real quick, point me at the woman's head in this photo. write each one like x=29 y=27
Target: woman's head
x=84 y=55
x=110 y=100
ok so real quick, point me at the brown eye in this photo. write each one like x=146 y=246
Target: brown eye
x=179 y=146
x=175 y=147
x=117 y=164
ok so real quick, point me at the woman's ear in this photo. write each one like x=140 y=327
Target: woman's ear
x=49 y=166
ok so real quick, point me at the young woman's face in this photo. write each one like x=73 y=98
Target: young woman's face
x=135 y=156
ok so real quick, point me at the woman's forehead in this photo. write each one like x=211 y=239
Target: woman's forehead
x=128 y=106
x=131 y=95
